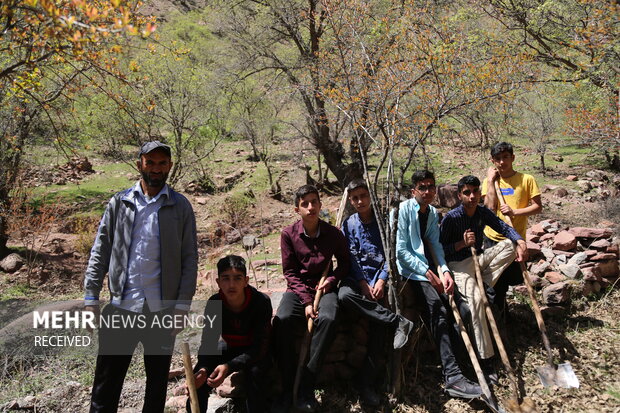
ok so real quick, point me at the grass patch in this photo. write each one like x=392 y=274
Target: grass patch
x=92 y=193
x=19 y=290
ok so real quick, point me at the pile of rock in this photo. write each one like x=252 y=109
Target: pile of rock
x=571 y=261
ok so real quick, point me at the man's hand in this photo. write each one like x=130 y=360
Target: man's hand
x=365 y=289
x=492 y=175
x=178 y=317
x=435 y=281
x=326 y=286
x=469 y=238
x=200 y=377
x=507 y=211
x=96 y=311
x=521 y=251
x=448 y=283
x=310 y=313
x=379 y=289
x=218 y=375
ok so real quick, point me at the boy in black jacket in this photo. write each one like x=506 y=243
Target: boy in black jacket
x=246 y=325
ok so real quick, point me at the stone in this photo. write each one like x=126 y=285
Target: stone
x=603 y=257
x=587 y=288
x=531 y=237
x=538 y=282
x=609 y=268
x=178 y=372
x=521 y=289
x=567 y=254
x=547 y=223
x=561 y=192
x=269 y=262
x=548 y=253
x=559 y=260
x=554 y=277
x=27 y=403
x=583 y=232
x=537 y=229
x=540 y=268
x=591 y=273
x=546 y=237
x=590 y=253
x=564 y=241
x=180 y=390
x=533 y=249
x=584 y=186
x=597 y=175
x=571 y=271
x=448 y=195
x=201 y=200
x=587 y=264
x=555 y=311
x=613 y=249
x=250 y=241
x=11 y=263
x=571 y=178
x=578 y=258
x=232 y=386
x=549 y=187
x=558 y=293
x=176 y=402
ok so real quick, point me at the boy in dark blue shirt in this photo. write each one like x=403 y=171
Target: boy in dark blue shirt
x=363 y=290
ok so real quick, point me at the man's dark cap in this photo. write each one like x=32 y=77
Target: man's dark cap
x=148 y=147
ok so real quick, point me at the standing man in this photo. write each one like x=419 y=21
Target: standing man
x=461 y=229
x=362 y=292
x=146 y=243
x=522 y=200
x=307 y=249
x=418 y=232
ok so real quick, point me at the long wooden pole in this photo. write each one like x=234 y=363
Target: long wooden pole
x=189 y=377
x=526 y=279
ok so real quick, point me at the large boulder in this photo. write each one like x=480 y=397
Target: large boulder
x=609 y=269
x=558 y=293
x=11 y=263
x=583 y=232
x=448 y=195
x=564 y=241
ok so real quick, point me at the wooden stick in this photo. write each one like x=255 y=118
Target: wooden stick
x=526 y=278
x=484 y=385
x=189 y=377
x=305 y=346
x=493 y=324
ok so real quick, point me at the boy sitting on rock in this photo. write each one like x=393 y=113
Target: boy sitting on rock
x=246 y=326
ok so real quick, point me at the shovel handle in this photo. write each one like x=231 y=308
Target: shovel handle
x=494 y=329
x=526 y=278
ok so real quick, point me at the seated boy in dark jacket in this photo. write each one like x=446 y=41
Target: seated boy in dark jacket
x=246 y=325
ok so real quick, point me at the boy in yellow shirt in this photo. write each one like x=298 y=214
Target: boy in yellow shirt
x=522 y=198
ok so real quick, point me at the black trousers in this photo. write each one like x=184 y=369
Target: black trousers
x=116 y=347
x=382 y=322
x=290 y=319
x=254 y=378
x=438 y=318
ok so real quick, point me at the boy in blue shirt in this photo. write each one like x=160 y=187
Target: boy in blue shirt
x=363 y=290
x=418 y=232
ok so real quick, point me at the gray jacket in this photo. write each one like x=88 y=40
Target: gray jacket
x=110 y=252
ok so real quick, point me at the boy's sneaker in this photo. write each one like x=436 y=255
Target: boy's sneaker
x=306 y=402
x=369 y=397
x=461 y=386
x=401 y=336
x=488 y=369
